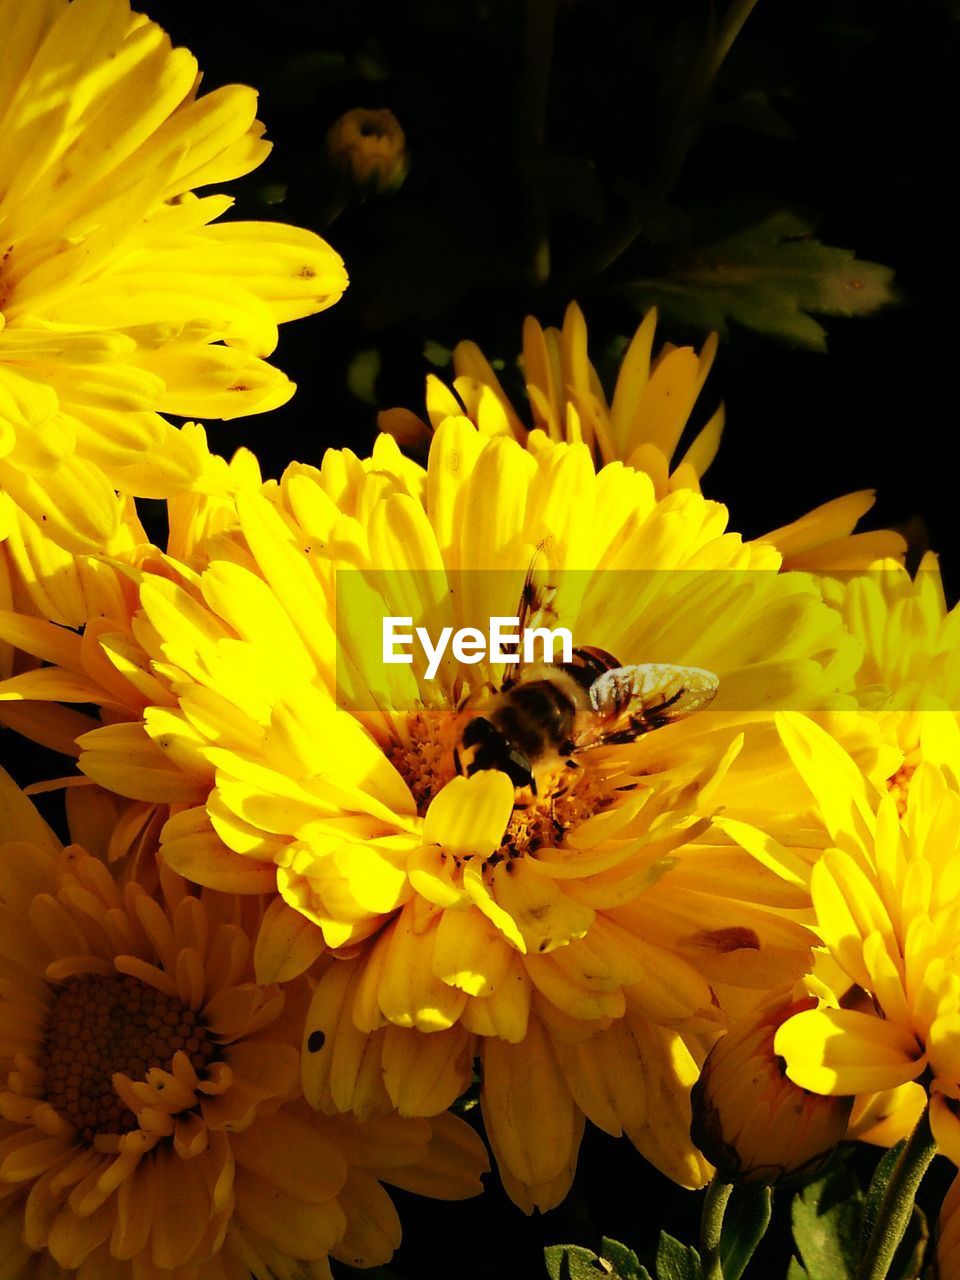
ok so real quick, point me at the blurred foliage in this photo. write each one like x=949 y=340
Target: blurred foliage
x=538 y=186
x=825 y=114
x=769 y=278
x=591 y=160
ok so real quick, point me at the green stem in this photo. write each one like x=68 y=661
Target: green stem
x=896 y=1206
x=535 y=83
x=711 y=1225
x=681 y=135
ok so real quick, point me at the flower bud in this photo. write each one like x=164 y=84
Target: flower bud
x=367 y=150
x=749 y=1119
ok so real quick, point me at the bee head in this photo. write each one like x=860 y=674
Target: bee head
x=485 y=747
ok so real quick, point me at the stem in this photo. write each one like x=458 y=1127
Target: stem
x=682 y=133
x=896 y=1206
x=711 y=1225
x=538 y=54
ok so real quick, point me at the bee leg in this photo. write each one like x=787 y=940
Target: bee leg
x=472 y=698
x=457 y=764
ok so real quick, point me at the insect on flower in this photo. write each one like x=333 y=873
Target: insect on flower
x=545 y=714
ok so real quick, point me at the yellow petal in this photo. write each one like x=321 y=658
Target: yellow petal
x=470 y=815
x=425 y=1074
x=287 y=944
x=527 y=1109
x=840 y=1051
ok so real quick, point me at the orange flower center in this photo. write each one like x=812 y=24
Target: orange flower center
x=103 y=1025
x=564 y=798
x=425 y=760
x=899 y=785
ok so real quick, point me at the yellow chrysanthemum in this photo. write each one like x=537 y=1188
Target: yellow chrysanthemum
x=909 y=669
x=582 y=946
x=642 y=425
x=911 y=648
x=887 y=901
x=121 y=297
x=153 y=1126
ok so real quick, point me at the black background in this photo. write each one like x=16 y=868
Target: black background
x=869 y=93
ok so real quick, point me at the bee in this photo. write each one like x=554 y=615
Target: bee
x=546 y=714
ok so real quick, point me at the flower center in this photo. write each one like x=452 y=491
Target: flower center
x=565 y=797
x=102 y=1025
x=425 y=759
x=899 y=786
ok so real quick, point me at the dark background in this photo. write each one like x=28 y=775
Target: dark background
x=867 y=94
x=854 y=125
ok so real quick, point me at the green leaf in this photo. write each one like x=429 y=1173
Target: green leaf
x=676 y=1261
x=745 y=1221
x=826 y=1225
x=617 y=1262
x=437 y=354
x=362 y=374
x=571 y=1262
x=272 y=193
x=624 y=1261
x=772 y=278
x=795 y=1271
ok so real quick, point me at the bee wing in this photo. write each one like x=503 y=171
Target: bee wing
x=629 y=701
x=535 y=607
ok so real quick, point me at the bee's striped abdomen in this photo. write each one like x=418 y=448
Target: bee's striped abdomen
x=537 y=717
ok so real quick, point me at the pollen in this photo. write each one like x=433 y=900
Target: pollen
x=425 y=759
x=100 y=1025
x=899 y=786
x=565 y=798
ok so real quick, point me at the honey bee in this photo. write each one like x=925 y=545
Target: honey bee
x=546 y=714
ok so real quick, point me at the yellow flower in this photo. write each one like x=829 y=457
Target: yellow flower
x=40 y=577
x=911 y=650
x=824 y=540
x=887 y=908
x=642 y=424
x=886 y=1117
x=367 y=149
x=152 y=1119
x=121 y=296
x=583 y=944
x=753 y=1123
